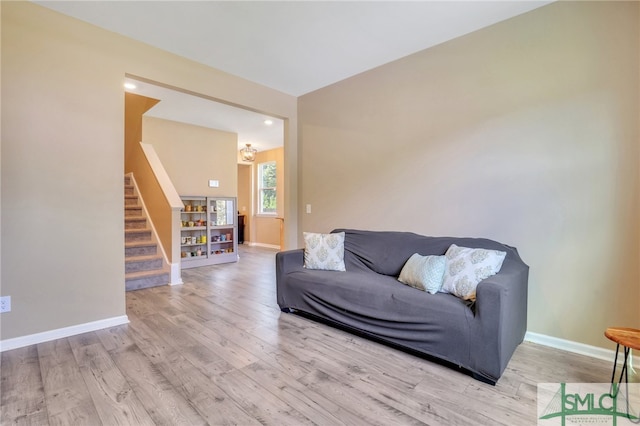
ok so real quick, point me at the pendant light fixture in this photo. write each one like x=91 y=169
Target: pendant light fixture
x=248 y=153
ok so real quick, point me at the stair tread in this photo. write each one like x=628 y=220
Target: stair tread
x=145 y=278
x=137 y=230
x=142 y=258
x=140 y=243
x=144 y=274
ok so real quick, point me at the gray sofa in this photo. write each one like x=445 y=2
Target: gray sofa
x=367 y=299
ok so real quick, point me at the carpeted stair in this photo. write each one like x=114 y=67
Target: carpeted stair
x=144 y=266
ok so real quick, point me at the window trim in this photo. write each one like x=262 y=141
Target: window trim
x=260 y=188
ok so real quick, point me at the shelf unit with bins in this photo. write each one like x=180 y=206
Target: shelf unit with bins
x=193 y=232
x=208 y=231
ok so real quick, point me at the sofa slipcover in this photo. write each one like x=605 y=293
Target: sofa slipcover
x=368 y=299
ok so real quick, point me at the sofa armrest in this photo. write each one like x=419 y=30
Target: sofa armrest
x=501 y=317
x=286 y=262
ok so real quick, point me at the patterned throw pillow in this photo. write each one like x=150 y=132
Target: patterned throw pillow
x=466 y=267
x=424 y=272
x=324 y=251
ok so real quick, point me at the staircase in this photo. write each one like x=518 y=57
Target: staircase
x=144 y=266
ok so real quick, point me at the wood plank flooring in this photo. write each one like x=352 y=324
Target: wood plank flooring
x=217 y=350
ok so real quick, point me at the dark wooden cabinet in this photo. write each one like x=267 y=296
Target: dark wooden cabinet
x=241 y=229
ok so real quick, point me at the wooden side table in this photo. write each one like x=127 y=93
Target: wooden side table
x=629 y=338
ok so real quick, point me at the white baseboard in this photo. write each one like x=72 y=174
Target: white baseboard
x=46 y=336
x=541 y=339
x=271 y=246
x=176 y=274
x=578 y=348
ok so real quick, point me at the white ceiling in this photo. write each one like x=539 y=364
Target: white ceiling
x=292 y=46
x=178 y=106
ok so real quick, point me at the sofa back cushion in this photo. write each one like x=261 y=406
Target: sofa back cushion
x=386 y=252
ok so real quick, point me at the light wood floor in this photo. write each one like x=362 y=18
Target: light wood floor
x=217 y=350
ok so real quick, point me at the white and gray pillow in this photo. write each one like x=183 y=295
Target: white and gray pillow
x=466 y=267
x=424 y=272
x=324 y=251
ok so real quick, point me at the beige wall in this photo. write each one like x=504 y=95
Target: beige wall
x=266 y=228
x=525 y=132
x=192 y=155
x=62 y=160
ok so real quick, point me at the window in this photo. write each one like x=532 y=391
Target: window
x=267 y=188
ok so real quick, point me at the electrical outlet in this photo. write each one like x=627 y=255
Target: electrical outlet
x=5 y=304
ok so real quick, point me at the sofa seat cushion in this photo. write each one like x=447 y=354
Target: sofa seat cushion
x=380 y=305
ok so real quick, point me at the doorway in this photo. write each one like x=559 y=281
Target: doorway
x=262 y=131
x=245 y=205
